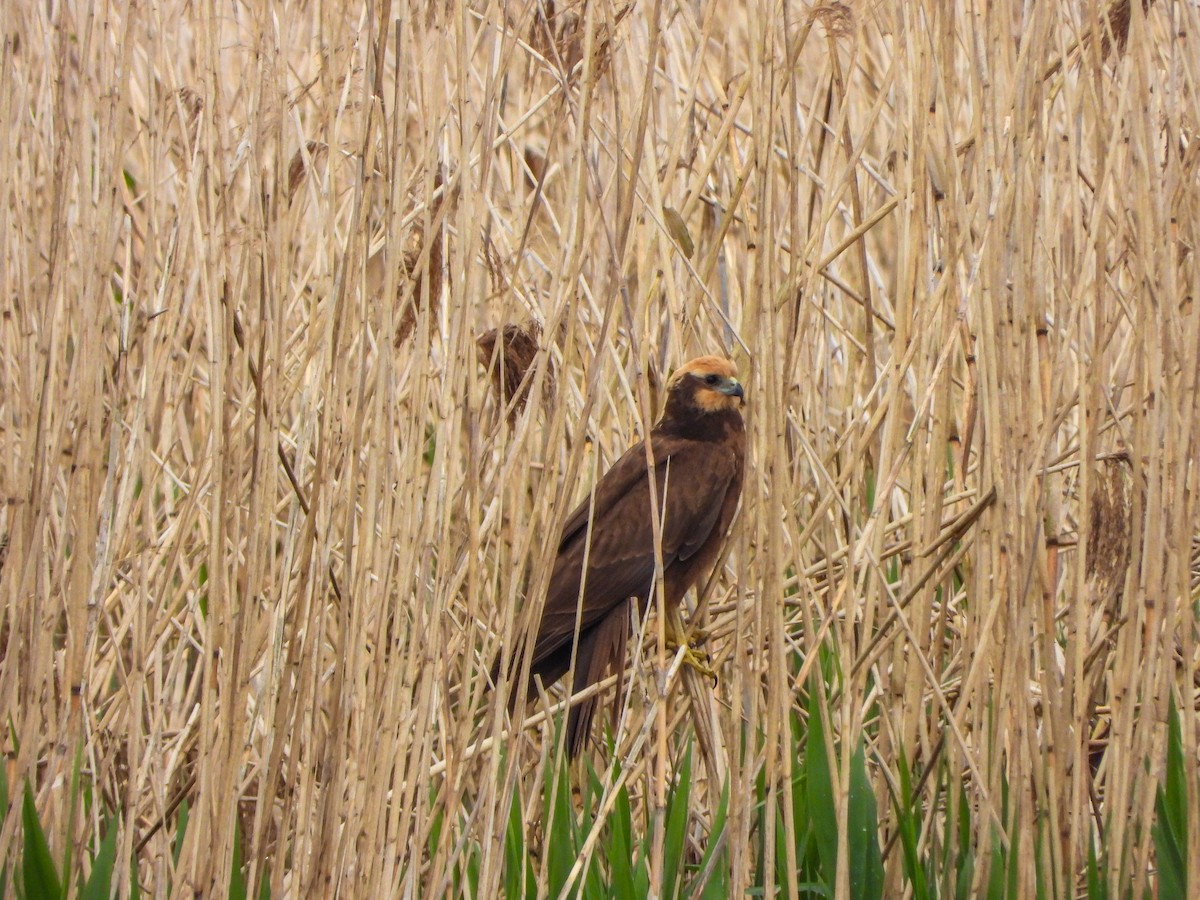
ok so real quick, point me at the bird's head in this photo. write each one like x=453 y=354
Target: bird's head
x=707 y=384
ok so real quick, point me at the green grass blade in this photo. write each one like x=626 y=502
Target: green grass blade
x=593 y=877
x=1097 y=886
x=783 y=877
x=181 y=824
x=72 y=808
x=467 y=872
x=807 y=856
x=1170 y=828
x=862 y=820
x=4 y=806
x=678 y=810
x=964 y=867
x=1172 y=868
x=717 y=886
x=237 y=877
x=819 y=772
x=618 y=843
x=908 y=821
x=995 y=887
x=760 y=809
x=713 y=878
x=999 y=886
x=519 y=879
x=99 y=883
x=41 y=878
x=561 y=841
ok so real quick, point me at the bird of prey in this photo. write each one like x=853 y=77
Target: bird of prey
x=699 y=448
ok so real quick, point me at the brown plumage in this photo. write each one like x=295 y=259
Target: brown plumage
x=699 y=448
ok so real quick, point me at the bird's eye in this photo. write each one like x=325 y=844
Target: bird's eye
x=711 y=379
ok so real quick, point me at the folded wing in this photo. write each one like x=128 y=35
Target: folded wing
x=614 y=533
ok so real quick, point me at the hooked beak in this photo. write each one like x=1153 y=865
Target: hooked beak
x=733 y=388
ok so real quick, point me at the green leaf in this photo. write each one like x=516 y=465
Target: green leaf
x=908 y=820
x=181 y=824
x=807 y=856
x=965 y=862
x=713 y=878
x=618 y=844
x=72 y=807
x=820 y=786
x=1097 y=886
x=202 y=580
x=99 y=883
x=717 y=887
x=561 y=843
x=41 y=878
x=468 y=873
x=783 y=875
x=862 y=827
x=995 y=887
x=760 y=809
x=592 y=884
x=1170 y=828
x=998 y=887
x=678 y=230
x=4 y=806
x=519 y=879
x=430 y=452
x=237 y=878
x=675 y=840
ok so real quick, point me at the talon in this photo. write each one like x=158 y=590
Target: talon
x=692 y=656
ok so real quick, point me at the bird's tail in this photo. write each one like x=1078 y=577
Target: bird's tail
x=601 y=650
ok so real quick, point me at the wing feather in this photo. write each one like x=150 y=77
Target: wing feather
x=606 y=550
x=692 y=479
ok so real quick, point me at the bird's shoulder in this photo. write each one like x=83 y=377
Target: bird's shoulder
x=705 y=467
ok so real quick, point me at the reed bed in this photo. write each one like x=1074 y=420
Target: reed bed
x=319 y=317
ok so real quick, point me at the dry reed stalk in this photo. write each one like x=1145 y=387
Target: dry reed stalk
x=262 y=530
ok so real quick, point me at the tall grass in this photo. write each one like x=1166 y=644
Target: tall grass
x=270 y=507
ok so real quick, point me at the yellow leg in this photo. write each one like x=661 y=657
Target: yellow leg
x=677 y=636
